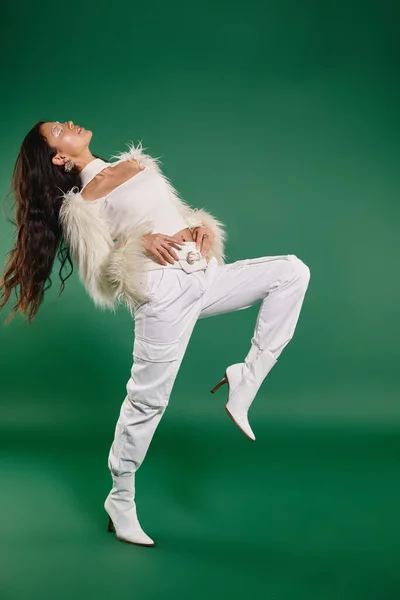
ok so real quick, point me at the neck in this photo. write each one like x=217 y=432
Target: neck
x=91 y=169
x=83 y=160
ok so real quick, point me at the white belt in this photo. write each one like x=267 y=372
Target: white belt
x=189 y=259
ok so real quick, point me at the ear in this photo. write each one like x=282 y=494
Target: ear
x=57 y=160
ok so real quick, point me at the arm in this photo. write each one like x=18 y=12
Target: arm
x=109 y=270
x=196 y=217
x=202 y=218
x=193 y=216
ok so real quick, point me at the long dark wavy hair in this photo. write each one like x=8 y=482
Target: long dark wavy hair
x=37 y=186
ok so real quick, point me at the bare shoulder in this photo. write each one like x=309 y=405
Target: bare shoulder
x=109 y=179
x=91 y=191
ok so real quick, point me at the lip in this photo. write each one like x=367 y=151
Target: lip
x=80 y=129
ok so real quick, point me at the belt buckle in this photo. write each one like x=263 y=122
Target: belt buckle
x=189 y=263
x=192 y=257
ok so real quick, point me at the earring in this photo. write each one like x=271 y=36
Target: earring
x=68 y=165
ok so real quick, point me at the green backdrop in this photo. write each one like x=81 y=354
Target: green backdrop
x=282 y=120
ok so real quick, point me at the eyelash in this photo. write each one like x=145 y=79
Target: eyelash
x=59 y=131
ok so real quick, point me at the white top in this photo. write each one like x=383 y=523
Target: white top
x=144 y=196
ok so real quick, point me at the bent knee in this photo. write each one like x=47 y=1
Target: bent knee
x=301 y=270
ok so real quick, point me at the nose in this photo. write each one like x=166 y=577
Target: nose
x=70 y=124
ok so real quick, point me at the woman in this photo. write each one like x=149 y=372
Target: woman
x=137 y=242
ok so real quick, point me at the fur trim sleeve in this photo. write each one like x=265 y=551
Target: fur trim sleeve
x=123 y=267
x=109 y=271
x=112 y=271
x=194 y=217
x=200 y=217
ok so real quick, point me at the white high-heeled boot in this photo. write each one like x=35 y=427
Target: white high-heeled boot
x=121 y=509
x=244 y=380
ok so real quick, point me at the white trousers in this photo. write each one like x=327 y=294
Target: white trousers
x=164 y=324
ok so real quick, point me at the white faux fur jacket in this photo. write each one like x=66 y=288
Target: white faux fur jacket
x=111 y=271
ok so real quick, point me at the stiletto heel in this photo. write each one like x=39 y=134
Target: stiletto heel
x=110 y=525
x=244 y=426
x=244 y=380
x=120 y=506
x=223 y=380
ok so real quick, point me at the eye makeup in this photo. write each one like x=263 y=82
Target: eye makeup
x=54 y=128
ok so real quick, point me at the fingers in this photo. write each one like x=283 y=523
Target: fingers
x=163 y=246
x=158 y=256
x=177 y=245
x=162 y=249
x=164 y=257
x=200 y=241
x=171 y=239
x=205 y=248
x=204 y=243
x=169 y=253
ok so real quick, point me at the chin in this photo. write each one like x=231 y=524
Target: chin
x=88 y=136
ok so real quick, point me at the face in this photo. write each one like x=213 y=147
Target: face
x=68 y=139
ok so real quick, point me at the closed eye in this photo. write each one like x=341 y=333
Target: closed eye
x=59 y=131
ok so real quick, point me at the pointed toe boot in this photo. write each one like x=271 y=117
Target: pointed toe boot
x=122 y=515
x=244 y=380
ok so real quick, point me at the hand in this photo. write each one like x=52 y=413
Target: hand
x=204 y=238
x=160 y=246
